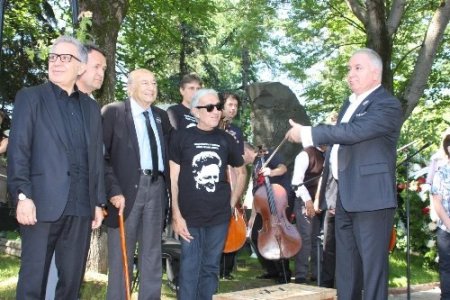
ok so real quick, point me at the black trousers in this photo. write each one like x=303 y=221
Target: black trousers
x=227 y=263
x=69 y=238
x=329 y=251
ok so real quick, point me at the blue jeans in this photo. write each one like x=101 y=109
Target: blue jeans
x=200 y=261
x=443 y=243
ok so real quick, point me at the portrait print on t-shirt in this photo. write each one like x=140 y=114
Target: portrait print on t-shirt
x=203 y=191
x=206 y=169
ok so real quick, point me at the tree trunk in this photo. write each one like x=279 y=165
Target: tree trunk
x=106 y=21
x=378 y=38
x=107 y=17
x=380 y=32
x=245 y=63
x=422 y=69
x=184 y=42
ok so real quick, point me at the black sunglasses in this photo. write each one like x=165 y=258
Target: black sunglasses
x=210 y=107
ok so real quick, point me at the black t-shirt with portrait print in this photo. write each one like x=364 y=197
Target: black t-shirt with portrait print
x=203 y=191
x=180 y=116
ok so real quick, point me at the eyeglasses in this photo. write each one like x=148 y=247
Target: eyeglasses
x=210 y=107
x=53 y=57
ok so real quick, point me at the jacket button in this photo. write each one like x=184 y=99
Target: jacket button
x=68 y=173
x=136 y=186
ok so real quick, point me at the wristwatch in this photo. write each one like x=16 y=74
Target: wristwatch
x=21 y=196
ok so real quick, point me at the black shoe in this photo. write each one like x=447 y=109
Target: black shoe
x=228 y=277
x=283 y=280
x=267 y=276
x=327 y=284
x=300 y=280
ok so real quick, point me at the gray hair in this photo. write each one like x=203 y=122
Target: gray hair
x=374 y=57
x=199 y=94
x=82 y=52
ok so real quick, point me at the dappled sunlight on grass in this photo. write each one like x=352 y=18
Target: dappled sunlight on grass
x=247 y=268
x=419 y=274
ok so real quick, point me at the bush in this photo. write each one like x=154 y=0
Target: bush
x=422 y=228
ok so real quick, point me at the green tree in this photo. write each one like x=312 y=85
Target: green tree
x=28 y=25
x=407 y=35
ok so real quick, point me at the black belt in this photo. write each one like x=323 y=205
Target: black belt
x=149 y=172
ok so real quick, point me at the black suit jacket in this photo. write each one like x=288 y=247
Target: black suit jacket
x=367 y=152
x=122 y=159
x=38 y=163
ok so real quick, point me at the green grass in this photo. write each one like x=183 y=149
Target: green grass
x=244 y=277
x=419 y=274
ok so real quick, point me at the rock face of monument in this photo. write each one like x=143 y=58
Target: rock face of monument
x=273 y=104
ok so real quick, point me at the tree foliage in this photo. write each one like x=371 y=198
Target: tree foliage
x=28 y=25
x=408 y=35
x=220 y=40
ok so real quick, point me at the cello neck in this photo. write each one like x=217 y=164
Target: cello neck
x=270 y=197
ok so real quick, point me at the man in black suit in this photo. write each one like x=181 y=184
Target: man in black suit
x=55 y=174
x=135 y=137
x=362 y=160
x=88 y=82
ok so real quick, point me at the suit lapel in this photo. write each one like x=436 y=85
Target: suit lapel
x=343 y=110
x=131 y=129
x=54 y=114
x=362 y=107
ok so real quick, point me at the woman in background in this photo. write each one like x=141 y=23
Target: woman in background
x=441 y=200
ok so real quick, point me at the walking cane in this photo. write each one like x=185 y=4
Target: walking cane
x=123 y=245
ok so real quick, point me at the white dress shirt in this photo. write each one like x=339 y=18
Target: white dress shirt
x=145 y=151
x=306 y=135
x=298 y=176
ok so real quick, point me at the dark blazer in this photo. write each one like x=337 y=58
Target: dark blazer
x=367 y=152
x=38 y=163
x=122 y=159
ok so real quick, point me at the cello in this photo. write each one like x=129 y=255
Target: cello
x=278 y=238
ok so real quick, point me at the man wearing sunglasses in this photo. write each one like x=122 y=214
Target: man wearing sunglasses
x=55 y=174
x=201 y=196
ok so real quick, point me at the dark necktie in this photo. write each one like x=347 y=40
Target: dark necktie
x=153 y=146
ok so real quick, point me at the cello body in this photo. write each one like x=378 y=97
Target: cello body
x=278 y=238
x=237 y=229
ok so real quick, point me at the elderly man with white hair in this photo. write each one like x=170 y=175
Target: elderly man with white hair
x=202 y=199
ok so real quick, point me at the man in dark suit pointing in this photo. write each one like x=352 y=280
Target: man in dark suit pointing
x=362 y=161
x=55 y=174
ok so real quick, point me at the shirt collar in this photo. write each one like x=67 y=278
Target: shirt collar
x=361 y=97
x=59 y=91
x=137 y=110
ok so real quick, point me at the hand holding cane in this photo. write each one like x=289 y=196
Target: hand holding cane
x=123 y=245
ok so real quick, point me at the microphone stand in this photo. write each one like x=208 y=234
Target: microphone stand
x=405 y=162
